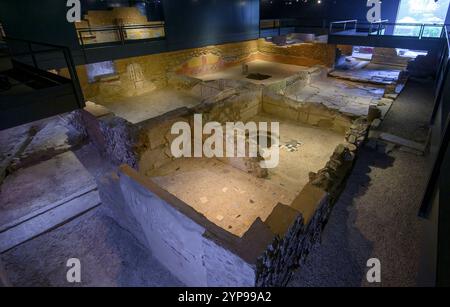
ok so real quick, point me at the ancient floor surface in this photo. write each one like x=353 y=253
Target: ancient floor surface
x=35 y=187
x=373 y=73
x=311 y=149
x=233 y=199
x=146 y=106
x=347 y=97
x=225 y=195
x=276 y=71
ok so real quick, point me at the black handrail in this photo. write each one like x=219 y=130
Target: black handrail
x=120 y=30
x=68 y=58
x=279 y=24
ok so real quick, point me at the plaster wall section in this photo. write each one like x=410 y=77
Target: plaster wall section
x=154 y=71
x=174 y=238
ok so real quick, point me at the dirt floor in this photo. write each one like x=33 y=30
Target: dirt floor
x=303 y=149
x=233 y=199
x=139 y=108
x=109 y=257
x=225 y=195
x=35 y=187
x=276 y=71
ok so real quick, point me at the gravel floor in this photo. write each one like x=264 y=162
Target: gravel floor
x=109 y=256
x=375 y=217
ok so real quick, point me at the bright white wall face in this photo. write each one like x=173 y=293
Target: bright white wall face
x=179 y=243
x=421 y=11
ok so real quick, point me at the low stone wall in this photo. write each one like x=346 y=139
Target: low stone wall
x=176 y=235
x=298 y=81
x=113 y=136
x=153 y=146
x=297 y=228
x=147 y=145
x=307 y=113
x=200 y=253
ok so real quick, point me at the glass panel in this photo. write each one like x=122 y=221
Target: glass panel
x=431 y=31
x=101 y=69
x=421 y=11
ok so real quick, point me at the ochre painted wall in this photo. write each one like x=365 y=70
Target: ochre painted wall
x=155 y=68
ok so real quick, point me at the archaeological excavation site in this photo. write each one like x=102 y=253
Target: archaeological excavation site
x=215 y=143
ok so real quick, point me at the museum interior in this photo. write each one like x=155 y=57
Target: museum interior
x=92 y=97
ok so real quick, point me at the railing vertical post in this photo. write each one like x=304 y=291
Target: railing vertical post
x=33 y=56
x=74 y=77
x=121 y=35
x=80 y=34
x=422 y=27
x=259 y=29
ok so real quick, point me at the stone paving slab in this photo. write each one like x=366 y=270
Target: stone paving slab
x=33 y=188
x=47 y=220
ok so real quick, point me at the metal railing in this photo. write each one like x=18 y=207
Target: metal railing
x=90 y=36
x=379 y=28
x=2 y=32
x=278 y=26
x=27 y=52
x=344 y=24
